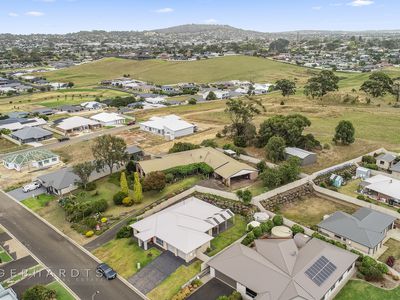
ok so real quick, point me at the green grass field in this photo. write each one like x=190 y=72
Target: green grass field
x=38 y=202
x=61 y=292
x=162 y=72
x=361 y=290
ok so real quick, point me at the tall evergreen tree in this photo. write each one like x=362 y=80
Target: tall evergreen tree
x=124 y=183
x=137 y=189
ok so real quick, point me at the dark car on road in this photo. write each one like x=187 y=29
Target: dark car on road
x=131 y=123
x=106 y=271
x=63 y=139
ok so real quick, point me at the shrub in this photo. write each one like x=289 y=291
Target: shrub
x=192 y=101
x=128 y=201
x=89 y=233
x=191 y=169
x=125 y=232
x=361 y=197
x=104 y=220
x=248 y=239
x=238 y=150
x=257 y=232
x=90 y=186
x=244 y=196
x=297 y=229
x=371 y=166
x=169 y=177
x=39 y=292
x=278 y=220
x=209 y=143
x=90 y=222
x=118 y=197
x=368 y=159
x=180 y=147
x=76 y=211
x=261 y=166
x=240 y=141
x=327 y=146
x=154 y=181
x=371 y=269
x=390 y=261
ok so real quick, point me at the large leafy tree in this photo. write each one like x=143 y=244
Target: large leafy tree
x=319 y=85
x=279 y=46
x=290 y=128
x=378 y=84
x=275 y=149
x=109 y=151
x=287 y=87
x=39 y=292
x=83 y=171
x=241 y=112
x=344 y=133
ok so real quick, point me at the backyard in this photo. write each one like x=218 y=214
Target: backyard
x=393 y=249
x=310 y=210
x=361 y=290
x=229 y=236
x=173 y=283
x=124 y=254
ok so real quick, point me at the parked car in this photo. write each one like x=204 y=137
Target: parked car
x=63 y=139
x=106 y=271
x=31 y=187
x=131 y=123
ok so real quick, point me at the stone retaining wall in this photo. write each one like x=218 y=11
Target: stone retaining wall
x=288 y=196
x=350 y=168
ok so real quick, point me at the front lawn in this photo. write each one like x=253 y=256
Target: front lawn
x=4 y=256
x=173 y=283
x=361 y=290
x=36 y=203
x=61 y=292
x=124 y=254
x=229 y=236
x=310 y=210
x=393 y=250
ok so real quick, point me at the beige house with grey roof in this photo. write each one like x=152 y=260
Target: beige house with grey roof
x=277 y=269
x=225 y=167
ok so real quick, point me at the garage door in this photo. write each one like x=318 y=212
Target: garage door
x=226 y=279
x=171 y=248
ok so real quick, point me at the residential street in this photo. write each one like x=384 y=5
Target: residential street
x=67 y=261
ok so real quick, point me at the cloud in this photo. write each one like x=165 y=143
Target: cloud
x=210 y=21
x=165 y=10
x=34 y=13
x=12 y=14
x=358 y=3
x=316 y=7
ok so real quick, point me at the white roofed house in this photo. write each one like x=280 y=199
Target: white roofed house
x=184 y=228
x=383 y=188
x=92 y=105
x=76 y=124
x=170 y=126
x=108 y=119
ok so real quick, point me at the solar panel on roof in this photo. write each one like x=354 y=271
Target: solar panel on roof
x=320 y=270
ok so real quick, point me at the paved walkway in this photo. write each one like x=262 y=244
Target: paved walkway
x=155 y=272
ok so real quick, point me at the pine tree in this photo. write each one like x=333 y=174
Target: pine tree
x=124 y=183
x=137 y=189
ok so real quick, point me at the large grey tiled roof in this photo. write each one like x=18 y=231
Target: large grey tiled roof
x=60 y=179
x=31 y=133
x=365 y=226
x=386 y=157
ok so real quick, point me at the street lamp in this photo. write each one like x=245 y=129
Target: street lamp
x=94 y=295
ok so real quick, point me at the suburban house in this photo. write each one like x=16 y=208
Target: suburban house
x=76 y=123
x=279 y=269
x=219 y=94
x=31 y=134
x=19 y=123
x=226 y=168
x=382 y=188
x=43 y=111
x=385 y=161
x=92 y=105
x=59 y=182
x=261 y=88
x=184 y=228
x=69 y=108
x=134 y=152
x=18 y=114
x=364 y=230
x=37 y=158
x=108 y=119
x=306 y=157
x=395 y=169
x=170 y=126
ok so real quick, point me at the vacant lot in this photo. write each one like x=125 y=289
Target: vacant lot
x=7 y=146
x=310 y=210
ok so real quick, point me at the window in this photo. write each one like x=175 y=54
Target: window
x=159 y=242
x=251 y=293
x=382 y=162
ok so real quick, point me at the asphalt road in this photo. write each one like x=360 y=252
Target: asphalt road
x=67 y=261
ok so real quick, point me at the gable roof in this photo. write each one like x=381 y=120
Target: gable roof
x=365 y=226
x=31 y=133
x=75 y=122
x=183 y=225
x=300 y=153
x=384 y=185
x=107 y=117
x=396 y=167
x=386 y=157
x=260 y=269
x=171 y=122
x=222 y=164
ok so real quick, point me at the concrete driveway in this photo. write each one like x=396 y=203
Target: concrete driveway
x=160 y=268
x=19 y=194
x=211 y=290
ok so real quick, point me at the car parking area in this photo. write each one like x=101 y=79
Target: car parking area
x=155 y=272
x=211 y=290
x=20 y=195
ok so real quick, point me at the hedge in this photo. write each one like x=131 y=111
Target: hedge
x=191 y=169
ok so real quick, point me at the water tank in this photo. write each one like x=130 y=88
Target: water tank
x=281 y=232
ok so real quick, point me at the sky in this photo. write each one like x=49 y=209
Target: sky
x=63 y=16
